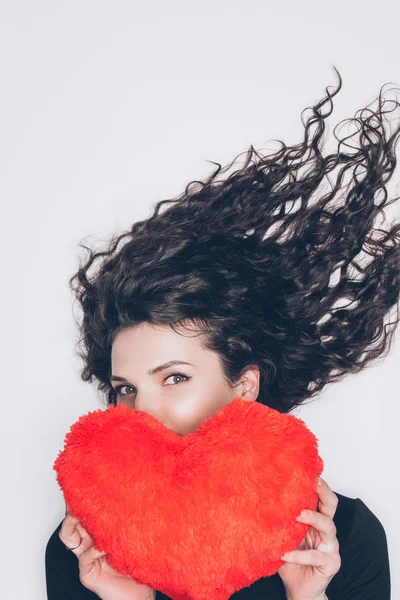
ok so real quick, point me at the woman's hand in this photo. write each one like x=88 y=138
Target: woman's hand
x=94 y=571
x=309 y=569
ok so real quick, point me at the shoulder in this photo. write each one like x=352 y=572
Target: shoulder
x=59 y=562
x=356 y=524
x=55 y=549
x=363 y=550
x=54 y=543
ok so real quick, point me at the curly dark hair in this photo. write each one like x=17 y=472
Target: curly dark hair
x=249 y=261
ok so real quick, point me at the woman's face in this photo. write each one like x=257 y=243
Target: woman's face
x=180 y=396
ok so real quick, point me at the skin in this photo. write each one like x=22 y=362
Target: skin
x=181 y=405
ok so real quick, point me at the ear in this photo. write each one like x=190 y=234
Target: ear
x=249 y=385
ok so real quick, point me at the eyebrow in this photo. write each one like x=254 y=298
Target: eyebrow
x=155 y=370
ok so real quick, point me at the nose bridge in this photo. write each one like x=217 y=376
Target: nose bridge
x=148 y=403
x=152 y=405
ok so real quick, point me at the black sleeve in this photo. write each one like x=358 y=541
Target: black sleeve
x=366 y=570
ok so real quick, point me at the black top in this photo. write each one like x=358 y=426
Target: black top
x=364 y=573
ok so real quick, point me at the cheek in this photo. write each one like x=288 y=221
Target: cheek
x=195 y=409
x=187 y=407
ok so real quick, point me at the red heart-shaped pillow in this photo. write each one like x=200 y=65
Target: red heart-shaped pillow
x=199 y=516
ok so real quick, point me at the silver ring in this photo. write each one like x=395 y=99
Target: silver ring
x=75 y=546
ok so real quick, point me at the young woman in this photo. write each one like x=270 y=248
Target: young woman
x=229 y=291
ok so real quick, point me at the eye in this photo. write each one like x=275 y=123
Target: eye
x=184 y=377
x=125 y=385
x=119 y=388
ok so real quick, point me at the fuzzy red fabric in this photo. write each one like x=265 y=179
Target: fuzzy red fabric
x=199 y=516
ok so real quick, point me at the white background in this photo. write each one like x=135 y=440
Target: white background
x=108 y=107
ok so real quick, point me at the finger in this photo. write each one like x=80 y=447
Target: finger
x=84 y=535
x=328 y=500
x=74 y=536
x=324 y=525
x=326 y=562
x=69 y=525
x=87 y=559
x=91 y=554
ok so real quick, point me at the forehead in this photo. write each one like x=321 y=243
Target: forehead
x=150 y=345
